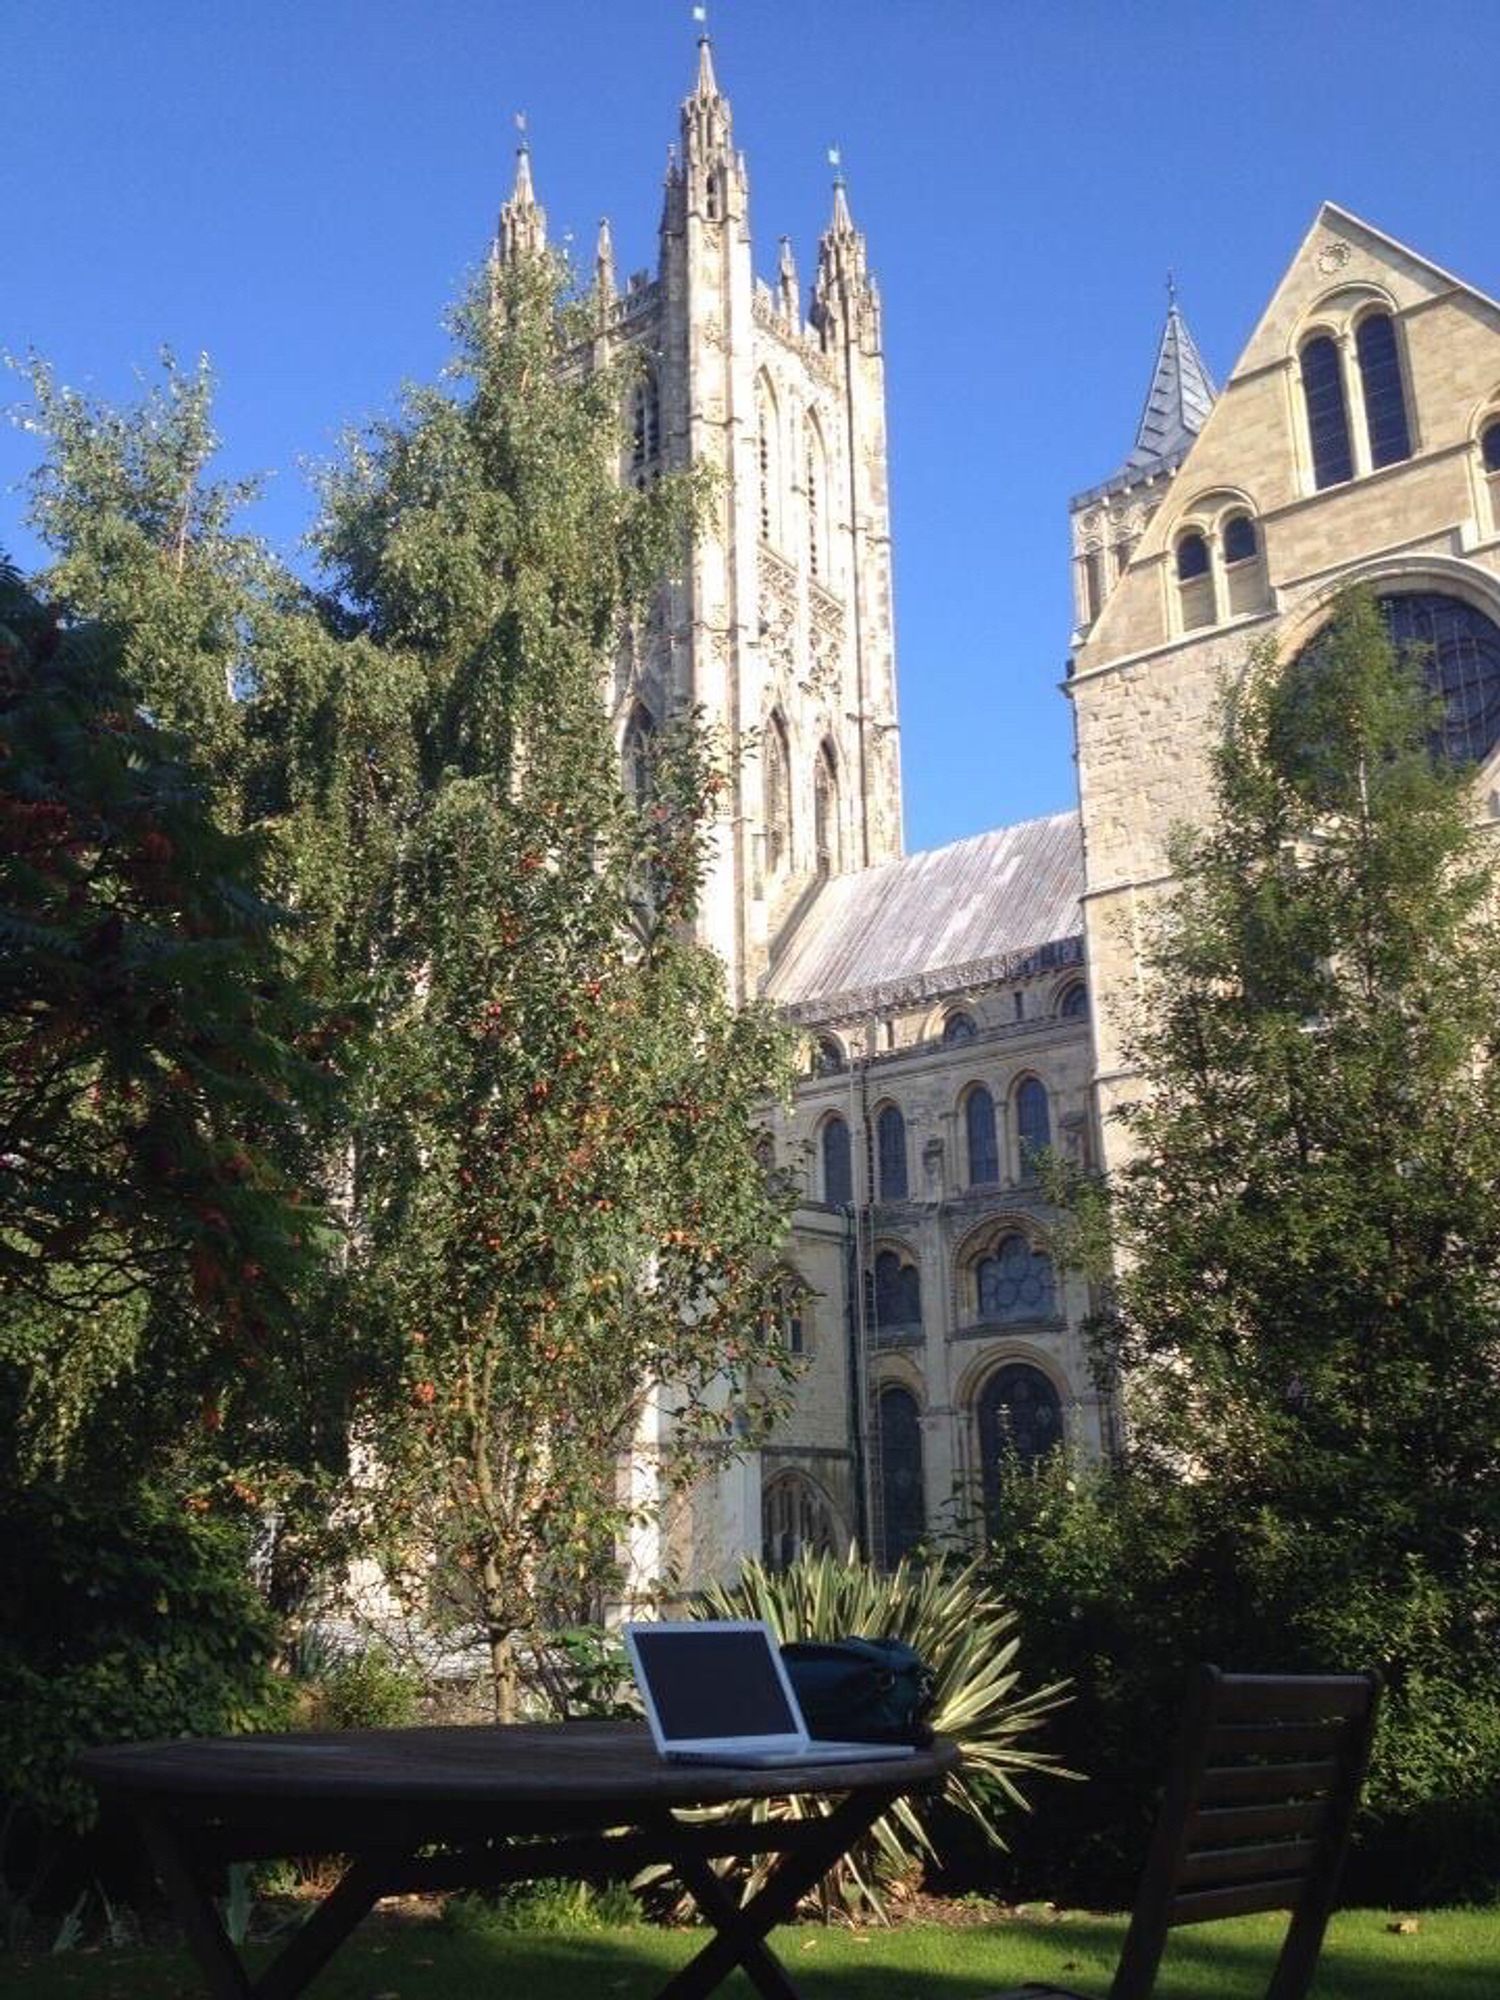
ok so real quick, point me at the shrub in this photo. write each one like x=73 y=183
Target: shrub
x=967 y=1635
x=123 y=1621
x=1125 y=1580
x=367 y=1690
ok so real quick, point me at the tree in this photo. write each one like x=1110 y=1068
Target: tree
x=557 y=1190
x=1305 y=1316
x=152 y=1239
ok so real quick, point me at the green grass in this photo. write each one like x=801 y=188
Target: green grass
x=1454 y=1955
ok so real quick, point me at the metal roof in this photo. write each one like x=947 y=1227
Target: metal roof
x=934 y=923
x=1178 y=402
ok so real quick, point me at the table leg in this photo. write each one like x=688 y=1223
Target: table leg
x=740 y=1931
x=355 y=1893
x=194 y=1910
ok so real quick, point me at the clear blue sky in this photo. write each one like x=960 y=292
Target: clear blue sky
x=296 y=187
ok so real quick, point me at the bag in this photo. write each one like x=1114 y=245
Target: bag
x=862 y=1690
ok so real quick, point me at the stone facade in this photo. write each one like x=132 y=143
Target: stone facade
x=963 y=1006
x=1413 y=356
x=780 y=630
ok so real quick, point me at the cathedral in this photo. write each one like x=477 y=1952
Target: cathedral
x=961 y=1008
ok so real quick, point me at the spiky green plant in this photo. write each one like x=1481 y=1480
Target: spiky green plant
x=969 y=1639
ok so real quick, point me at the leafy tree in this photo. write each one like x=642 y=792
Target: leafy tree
x=151 y=1084
x=1306 y=1304
x=558 y=1197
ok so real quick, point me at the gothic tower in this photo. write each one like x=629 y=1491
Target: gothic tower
x=780 y=628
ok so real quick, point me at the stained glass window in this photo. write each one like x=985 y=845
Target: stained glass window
x=1075 y=1002
x=1460 y=651
x=1385 y=398
x=838 y=1180
x=958 y=1028
x=903 y=1504
x=1489 y=444
x=1015 y=1282
x=898 y=1291
x=1033 y=1123
x=1020 y=1418
x=1327 y=417
x=984 y=1150
x=890 y=1145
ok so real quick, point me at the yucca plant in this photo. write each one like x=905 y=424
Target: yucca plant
x=968 y=1637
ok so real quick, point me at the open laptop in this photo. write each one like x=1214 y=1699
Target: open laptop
x=716 y=1692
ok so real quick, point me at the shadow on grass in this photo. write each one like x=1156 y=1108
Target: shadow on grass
x=1221 y=1962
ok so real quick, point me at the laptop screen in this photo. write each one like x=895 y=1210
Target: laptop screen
x=708 y=1683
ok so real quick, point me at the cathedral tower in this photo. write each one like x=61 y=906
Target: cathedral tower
x=780 y=629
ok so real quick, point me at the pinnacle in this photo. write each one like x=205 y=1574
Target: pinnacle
x=707 y=85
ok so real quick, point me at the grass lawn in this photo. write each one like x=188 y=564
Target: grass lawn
x=1453 y=1955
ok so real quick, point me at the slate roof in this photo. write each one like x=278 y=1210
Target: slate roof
x=992 y=907
x=1181 y=395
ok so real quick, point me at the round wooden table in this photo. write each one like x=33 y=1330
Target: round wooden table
x=582 y=1799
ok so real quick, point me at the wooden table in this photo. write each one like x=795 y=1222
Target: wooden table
x=500 y=1805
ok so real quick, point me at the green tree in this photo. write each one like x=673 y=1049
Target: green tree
x=1305 y=1317
x=556 y=1185
x=152 y=1237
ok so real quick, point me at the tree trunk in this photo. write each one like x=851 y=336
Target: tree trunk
x=503 y=1685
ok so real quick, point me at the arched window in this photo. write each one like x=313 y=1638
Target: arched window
x=1075 y=1002
x=1459 y=650
x=1385 y=396
x=1195 y=581
x=776 y=796
x=1489 y=445
x=1244 y=570
x=1327 y=414
x=827 y=1056
x=711 y=196
x=645 y=423
x=1015 y=1283
x=826 y=811
x=958 y=1027
x=1020 y=1421
x=890 y=1147
x=795 y=1520
x=816 y=481
x=838 y=1176
x=979 y=1126
x=1240 y=541
x=1033 y=1123
x=638 y=753
x=903 y=1505
x=1192 y=557
x=898 y=1293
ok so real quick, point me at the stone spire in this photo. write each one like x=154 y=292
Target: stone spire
x=523 y=221
x=844 y=293
x=1181 y=395
x=706 y=121
x=788 y=291
x=604 y=267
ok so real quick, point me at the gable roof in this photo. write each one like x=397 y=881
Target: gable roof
x=990 y=907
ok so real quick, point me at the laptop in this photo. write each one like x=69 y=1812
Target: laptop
x=717 y=1692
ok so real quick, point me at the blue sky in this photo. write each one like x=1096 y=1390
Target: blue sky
x=296 y=189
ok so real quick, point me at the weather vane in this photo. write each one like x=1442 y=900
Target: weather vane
x=525 y=142
x=700 y=15
x=1171 y=288
x=836 y=160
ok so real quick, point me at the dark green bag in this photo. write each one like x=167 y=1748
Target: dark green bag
x=861 y=1690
